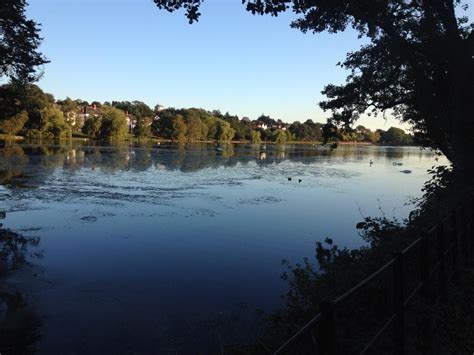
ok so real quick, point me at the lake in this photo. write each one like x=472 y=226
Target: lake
x=163 y=248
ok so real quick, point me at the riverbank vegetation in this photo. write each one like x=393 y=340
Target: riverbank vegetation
x=28 y=111
x=433 y=323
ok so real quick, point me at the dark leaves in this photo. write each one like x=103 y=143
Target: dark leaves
x=19 y=43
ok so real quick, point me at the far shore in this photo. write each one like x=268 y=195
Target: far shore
x=164 y=140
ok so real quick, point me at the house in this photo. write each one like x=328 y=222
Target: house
x=159 y=108
x=86 y=113
x=259 y=124
x=131 y=121
x=279 y=126
x=72 y=119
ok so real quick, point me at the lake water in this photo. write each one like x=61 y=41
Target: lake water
x=162 y=248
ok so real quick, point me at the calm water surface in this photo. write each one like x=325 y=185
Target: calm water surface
x=157 y=248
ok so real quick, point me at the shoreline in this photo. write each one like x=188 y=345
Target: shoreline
x=6 y=138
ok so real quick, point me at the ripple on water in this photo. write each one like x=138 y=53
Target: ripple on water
x=260 y=200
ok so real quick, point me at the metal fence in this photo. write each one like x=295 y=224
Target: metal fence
x=423 y=268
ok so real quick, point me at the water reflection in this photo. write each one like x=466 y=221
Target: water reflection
x=28 y=165
x=19 y=323
x=150 y=247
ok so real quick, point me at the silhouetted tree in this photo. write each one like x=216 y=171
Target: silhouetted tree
x=19 y=43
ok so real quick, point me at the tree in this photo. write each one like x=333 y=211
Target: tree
x=67 y=105
x=179 y=128
x=52 y=122
x=13 y=125
x=256 y=137
x=194 y=126
x=280 y=137
x=19 y=43
x=395 y=136
x=211 y=124
x=418 y=66
x=17 y=98
x=143 y=127
x=114 y=124
x=266 y=120
x=92 y=127
x=163 y=126
x=51 y=125
x=224 y=132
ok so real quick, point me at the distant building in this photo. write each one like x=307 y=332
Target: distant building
x=158 y=109
x=131 y=121
x=86 y=112
x=259 y=124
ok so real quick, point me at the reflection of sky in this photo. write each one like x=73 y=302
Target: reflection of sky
x=141 y=235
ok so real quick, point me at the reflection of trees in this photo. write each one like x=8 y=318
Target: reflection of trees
x=19 y=328
x=393 y=153
x=30 y=165
x=12 y=163
x=18 y=323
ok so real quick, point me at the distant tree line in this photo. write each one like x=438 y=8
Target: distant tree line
x=28 y=111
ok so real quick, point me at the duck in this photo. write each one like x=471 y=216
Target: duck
x=289 y=179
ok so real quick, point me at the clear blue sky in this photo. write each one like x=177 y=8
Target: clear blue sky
x=230 y=60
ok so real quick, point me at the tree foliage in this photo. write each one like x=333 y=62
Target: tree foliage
x=114 y=124
x=53 y=124
x=13 y=125
x=137 y=108
x=256 y=137
x=395 y=136
x=143 y=127
x=19 y=43
x=307 y=131
x=92 y=127
x=17 y=98
x=67 y=105
x=179 y=128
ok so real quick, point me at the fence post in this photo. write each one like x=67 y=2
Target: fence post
x=398 y=305
x=424 y=257
x=464 y=231
x=454 y=240
x=327 y=328
x=471 y=227
x=441 y=261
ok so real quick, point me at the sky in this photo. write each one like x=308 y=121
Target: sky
x=104 y=50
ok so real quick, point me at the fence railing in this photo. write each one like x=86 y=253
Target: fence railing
x=423 y=268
